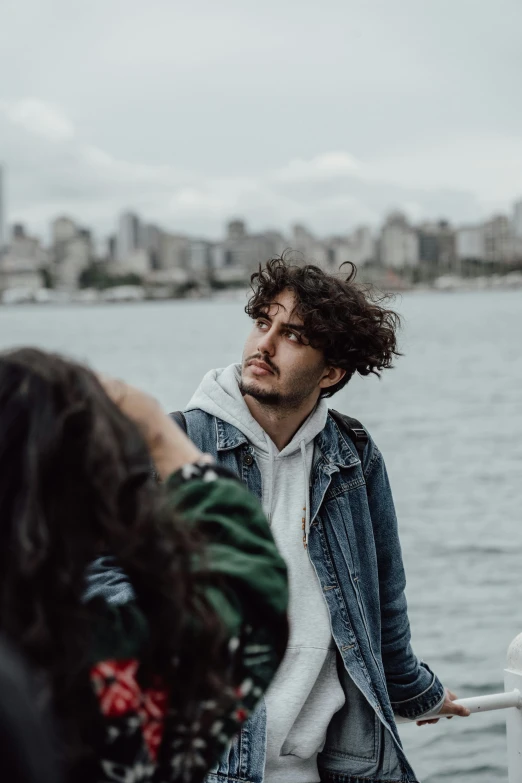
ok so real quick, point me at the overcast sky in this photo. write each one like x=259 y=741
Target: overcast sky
x=328 y=112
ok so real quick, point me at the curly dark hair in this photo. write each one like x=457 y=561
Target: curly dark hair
x=75 y=482
x=343 y=319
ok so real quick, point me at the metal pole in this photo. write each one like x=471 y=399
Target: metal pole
x=493 y=701
x=513 y=679
x=510 y=700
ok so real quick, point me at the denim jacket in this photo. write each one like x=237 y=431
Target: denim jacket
x=354 y=547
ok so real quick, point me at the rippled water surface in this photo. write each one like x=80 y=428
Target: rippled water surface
x=449 y=421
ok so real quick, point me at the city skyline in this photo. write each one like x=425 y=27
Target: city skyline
x=329 y=114
x=156 y=263
x=113 y=232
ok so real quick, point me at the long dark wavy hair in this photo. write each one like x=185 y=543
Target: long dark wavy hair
x=347 y=322
x=75 y=482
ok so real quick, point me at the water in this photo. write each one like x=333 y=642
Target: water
x=449 y=422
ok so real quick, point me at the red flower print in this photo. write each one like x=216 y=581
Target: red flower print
x=119 y=694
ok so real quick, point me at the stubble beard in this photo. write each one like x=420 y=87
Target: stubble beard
x=271 y=399
x=277 y=401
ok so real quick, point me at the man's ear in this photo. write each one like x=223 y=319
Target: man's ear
x=331 y=376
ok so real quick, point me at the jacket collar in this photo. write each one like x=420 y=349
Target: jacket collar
x=334 y=445
x=227 y=436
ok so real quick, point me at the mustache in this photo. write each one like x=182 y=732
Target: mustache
x=266 y=359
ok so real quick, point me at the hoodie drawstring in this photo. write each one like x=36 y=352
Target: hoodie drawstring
x=270 y=499
x=305 y=521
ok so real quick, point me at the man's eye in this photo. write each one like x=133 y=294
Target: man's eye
x=261 y=324
x=293 y=337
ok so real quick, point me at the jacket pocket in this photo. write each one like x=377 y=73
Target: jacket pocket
x=346 y=480
x=355 y=732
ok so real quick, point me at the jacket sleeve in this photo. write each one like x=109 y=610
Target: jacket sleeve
x=247 y=583
x=413 y=688
x=245 y=580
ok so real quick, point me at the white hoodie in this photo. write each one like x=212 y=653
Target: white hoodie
x=306 y=691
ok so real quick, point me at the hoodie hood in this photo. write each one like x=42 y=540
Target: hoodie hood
x=219 y=395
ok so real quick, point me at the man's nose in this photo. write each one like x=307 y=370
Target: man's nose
x=266 y=343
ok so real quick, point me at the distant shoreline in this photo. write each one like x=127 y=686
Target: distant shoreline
x=135 y=294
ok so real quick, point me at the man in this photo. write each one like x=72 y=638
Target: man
x=329 y=714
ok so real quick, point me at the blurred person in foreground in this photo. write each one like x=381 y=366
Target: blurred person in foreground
x=154 y=616
x=26 y=732
x=349 y=668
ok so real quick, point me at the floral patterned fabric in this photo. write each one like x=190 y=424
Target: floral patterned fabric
x=120 y=696
x=145 y=741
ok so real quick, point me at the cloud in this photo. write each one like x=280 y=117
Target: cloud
x=118 y=171
x=191 y=113
x=490 y=165
x=55 y=170
x=39 y=118
x=330 y=165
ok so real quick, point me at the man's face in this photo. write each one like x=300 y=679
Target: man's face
x=280 y=368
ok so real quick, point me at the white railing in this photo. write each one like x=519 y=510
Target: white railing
x=513 y=680
x=510 y=700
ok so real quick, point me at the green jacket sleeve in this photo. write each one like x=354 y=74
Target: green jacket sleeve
x=243 y=578
x=251 y=579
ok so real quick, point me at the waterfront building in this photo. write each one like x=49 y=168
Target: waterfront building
x=71 y=253
x=498 y=240
x=137 y=262
x=129 y=237
x=200 y=256
x=517 y=230
x=307 y=249
x=359 y=247
x=364 y=246
x=470 y=244
x=399 y=243
x=22 y=262
x=63 y=229
x=240 y=253
x=3 y=238
x=173 y=251
x=437 y=246
x=151 y=243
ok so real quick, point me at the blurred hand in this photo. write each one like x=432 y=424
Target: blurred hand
x=448 y=709
x=139 y=406
x=169 y=446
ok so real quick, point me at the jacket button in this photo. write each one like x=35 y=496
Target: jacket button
x=248 y=459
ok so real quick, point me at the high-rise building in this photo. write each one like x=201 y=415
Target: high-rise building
x=174 y=251
x=24 y=248
x=517 y=219
x=22 y=261
x=470 y=243
x=399 y=243
x=111 y=247
x=199 y=258
x=240 y=253
x=363 y=247
x=3 y=238
x=307 y=249
x=129 y=236
x=498 y=241
x=150 y=241
x=517 y=230
x=63 y=229
x=437 y=246
x=72 y=252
